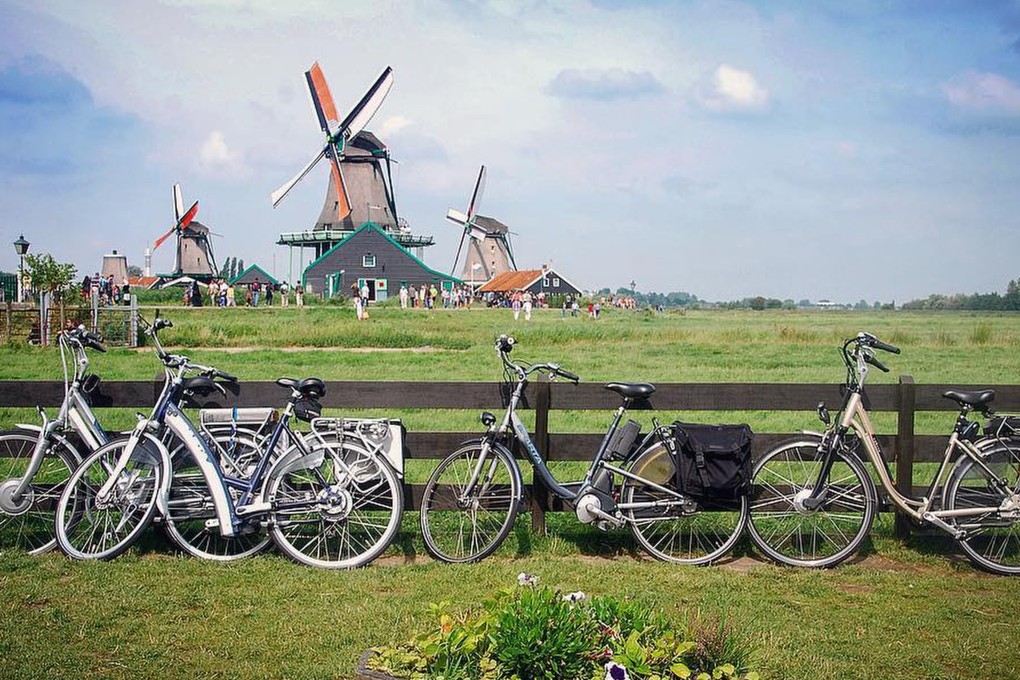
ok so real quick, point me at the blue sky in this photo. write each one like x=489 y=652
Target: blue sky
x=841 y=150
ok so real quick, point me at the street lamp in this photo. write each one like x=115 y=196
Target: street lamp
x=21 y=247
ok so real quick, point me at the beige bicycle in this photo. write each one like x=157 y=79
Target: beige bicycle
x=813 y=499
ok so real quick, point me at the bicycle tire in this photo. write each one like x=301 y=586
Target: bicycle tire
x=992 y=542
x=87 y=531
x=28 y=524
x=787 y=532
x=695 y=533
x=339 y=512
x=457 y=530
x=191 y=507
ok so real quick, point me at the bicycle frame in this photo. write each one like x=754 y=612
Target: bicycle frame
x=854 y=417
x=75 y=415
x=513 y=425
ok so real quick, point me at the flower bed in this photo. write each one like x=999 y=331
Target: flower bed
x=538 y=633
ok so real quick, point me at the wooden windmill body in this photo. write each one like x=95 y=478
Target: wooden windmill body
x=489 y=253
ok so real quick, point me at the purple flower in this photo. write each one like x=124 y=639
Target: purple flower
x=615 y=671
x=524 y=579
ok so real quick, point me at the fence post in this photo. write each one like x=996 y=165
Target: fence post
x=7 y=321
x=905 y=450
x=539 y=491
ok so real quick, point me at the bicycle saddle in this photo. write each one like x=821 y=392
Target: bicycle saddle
x=632 y=390
x=971 y=398
x=309 y=387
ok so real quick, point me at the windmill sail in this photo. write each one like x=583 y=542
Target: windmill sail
x=338 y=134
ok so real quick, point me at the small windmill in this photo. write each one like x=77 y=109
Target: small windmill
x=488 y=239
x=194 y=255
x=339 y=133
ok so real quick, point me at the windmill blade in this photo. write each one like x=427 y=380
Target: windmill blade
x=358 y=118
x=476 y=232
x=476 y=196
x=457 y=217
x=322 y=99
x=463 y=235
x=164 y=237
x=182 y=224
x=178 y=203
x=278 y=195
x=343 y=199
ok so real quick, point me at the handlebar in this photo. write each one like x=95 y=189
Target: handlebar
x=505 y=344
x=869 y=340
x=86 y=338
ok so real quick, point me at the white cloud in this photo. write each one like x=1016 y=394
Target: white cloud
x=216 y=157
x=731 y=89
x=393 y=125
x=986 y=93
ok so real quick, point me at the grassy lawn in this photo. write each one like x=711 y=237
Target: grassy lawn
x=914 y=610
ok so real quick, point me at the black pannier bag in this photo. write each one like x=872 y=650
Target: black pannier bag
x=713 y=462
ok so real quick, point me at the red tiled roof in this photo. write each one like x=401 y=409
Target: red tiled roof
x=508 y=281
x=143 y=282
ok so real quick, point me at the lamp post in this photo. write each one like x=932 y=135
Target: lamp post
x=21 y=247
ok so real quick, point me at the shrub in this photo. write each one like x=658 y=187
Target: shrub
x=537 y=633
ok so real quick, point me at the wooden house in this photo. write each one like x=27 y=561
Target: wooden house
x=535 y=281
x=370 y=257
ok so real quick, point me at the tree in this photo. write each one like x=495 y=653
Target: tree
x=135 y=270
x=49 y=275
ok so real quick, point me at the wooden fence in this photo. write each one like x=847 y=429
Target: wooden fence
x=904 y=448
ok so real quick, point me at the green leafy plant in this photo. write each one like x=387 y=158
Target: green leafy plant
x=538 y=633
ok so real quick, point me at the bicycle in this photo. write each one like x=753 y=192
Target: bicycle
x=471 y=500
x=318 y=501
x=37 y=460
x=814 y=500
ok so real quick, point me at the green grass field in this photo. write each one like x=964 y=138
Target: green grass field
x=902 y=610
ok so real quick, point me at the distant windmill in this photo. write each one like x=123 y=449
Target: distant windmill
x=194 y=255
x=339 y=133
x=488 y=239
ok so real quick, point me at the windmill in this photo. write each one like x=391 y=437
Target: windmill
x=340 y=141
x=488 y=240
x=194 y=255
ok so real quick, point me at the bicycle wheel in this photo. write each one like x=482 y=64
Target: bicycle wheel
x=336 y=508
x=993 y=538
x=89 y=528
x=461 y=527
x=27 y=523
x=788 y=532
x=191 y=508
x=686 y=532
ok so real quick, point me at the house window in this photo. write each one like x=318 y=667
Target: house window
x=556 y=282
x=368 y=261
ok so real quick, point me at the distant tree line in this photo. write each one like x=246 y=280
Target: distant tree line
x=985 y=302
x=232 y=268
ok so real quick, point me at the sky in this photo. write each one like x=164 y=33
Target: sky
x=823 y=150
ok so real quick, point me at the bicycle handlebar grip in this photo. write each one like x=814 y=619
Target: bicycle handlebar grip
x=878 y=344
x=876 y=363
x=568 y=375
x=160 y=324
x=225 y=376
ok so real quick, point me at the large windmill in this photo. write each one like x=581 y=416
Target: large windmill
x=356 y=187
x=194 y=256
x=488 y=240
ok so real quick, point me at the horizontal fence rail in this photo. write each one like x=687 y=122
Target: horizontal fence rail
x=903 y=449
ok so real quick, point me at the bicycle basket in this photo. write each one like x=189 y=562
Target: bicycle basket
x=307 y=409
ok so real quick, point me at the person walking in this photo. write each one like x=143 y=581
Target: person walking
x=526 y=302
x=299 y=295
x=403 y=296
x=284 y=294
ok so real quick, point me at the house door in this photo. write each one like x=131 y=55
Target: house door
x=381 y=290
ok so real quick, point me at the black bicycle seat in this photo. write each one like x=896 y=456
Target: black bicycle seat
x=632 y=390
x=971 y=398
x=309 y=387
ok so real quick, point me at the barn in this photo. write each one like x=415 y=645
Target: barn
x=535 y=281
x=370 y=257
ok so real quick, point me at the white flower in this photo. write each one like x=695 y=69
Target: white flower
x=527 y=579
x=615 y=671
x=574 y=598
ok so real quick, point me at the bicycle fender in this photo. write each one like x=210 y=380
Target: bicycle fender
x=37 y=430
x=163 y=497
